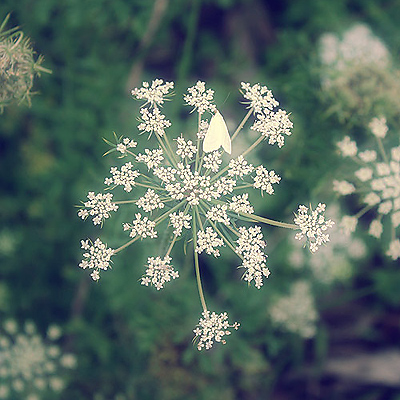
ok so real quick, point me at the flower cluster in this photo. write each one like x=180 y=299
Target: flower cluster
x=296 y=312
x=31 y=367
x=313 y=225
x=192 y=190
x=331 y=263
x=213 y=327
x=357 y=75
x=378 y=178
x=17 y=67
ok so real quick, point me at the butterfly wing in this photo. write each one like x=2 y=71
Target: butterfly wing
x=217 y=135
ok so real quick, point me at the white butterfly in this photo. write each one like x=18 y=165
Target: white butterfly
x=217 y=135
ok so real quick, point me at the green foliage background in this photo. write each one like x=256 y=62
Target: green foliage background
x=130 y=341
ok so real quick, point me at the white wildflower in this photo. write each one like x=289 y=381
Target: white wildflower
x=158 y=272
x=152 y=158
x=343 y=187
x=98 y=207
x=153 y=121
x=259 y=97
x=296 y=312
x=241 y=204
x=378 y=127
x=212 y=161
x=313 y=226
x=97 y=256
x=264 y=180
x=239 y=167
x=250 y=245
x=125 y=144
x=125 y=177
x=153 y=94
x=141 y=227
x=200 y=98
x=218 y=214
x=394 y=249
x=347 y=147
x=185 y=148
x=273 y=126
x=179 y=221
x=208 y=240
x=212 y=328
x=150 y=201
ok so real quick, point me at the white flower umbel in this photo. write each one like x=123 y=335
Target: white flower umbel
x=196 y=194
x=212 y=328
x=313 y=226
x=377 y=177
x=31 y=363
x=98 y=207
x=158 y=272
x=97 y=257
x=296 y=312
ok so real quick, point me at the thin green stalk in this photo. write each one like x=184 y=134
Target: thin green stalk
x=244 y=120
x=196 y=263
x=257 y=218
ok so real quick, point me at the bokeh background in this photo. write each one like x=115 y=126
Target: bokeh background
x=135 y=343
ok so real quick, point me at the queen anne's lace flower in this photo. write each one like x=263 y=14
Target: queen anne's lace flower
x=152 y=158
x=250 y=246
x=185 y=148
x=179 y=221
x=200 y=98
x=208 y=240
x=212 y=161
x=158 y=272
x=97 y=257
x=98 y=206
x=125 y=177
x=296 y=312
x=212 y=328
x=141 y=227
x=153 y=94
x=194 y=193
x=124 y=145
x=32 y=366
x=313 y=226
x=273 y=126
x=264 y=179
x=241 y=204
x=239 y=167
x=153 y=121
x=379 y=181
x=150 y=201
x=259 y=97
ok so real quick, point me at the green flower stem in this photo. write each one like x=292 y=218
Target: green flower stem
x=157 y=221
x=197 y=144
x=247 y=185
x=382 y=150
x=126 y=244
x=255 y=144
x=196 y=262
x=165 y=215
x=39 y=68
x=125 y=202
x=268 y=221
x=168 y=151
x=175 y=162
x=239 y=128
x=171 y=245
x=229 y=244
x=363 y=211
